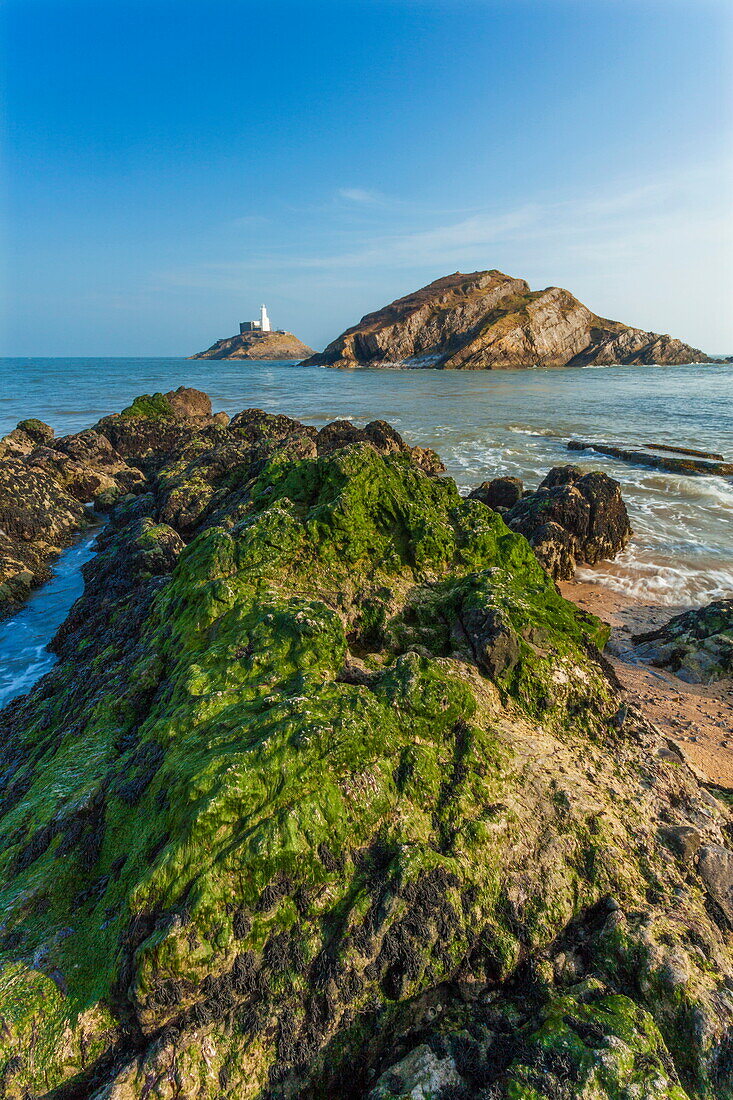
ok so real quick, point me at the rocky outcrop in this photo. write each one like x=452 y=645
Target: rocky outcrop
x=572 y=518
x=696 y=646
x=491 y=321
x=257 y=345
x=37 y=519
x=687 y=465
x=50 y=488
x=501 y=494
x=328 y=796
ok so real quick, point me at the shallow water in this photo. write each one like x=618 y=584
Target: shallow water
x=482 y=423
x=23 y=638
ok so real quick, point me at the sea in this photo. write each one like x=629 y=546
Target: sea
x=484 y=424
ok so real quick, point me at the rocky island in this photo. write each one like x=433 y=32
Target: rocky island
x=332 y=795
x=257 y=345
x=490 y=321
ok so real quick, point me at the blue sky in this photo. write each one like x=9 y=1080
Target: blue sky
x=168 y=165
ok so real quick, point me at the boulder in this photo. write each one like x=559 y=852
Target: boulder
x=378 y=434
x=36 y=429
x=500 y=494
x=572 y=518
x=697 y=646
x=421 y=1075
x=24 y=438
x=561 y=475
x=187 y=403
x=156 y=425
x=556 y=549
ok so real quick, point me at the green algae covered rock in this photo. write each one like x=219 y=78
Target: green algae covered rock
x=152 y=406
x=328 y=771
x=696 y=645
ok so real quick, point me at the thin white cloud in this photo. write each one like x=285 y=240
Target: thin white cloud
x=653 y=253
x=360 y=195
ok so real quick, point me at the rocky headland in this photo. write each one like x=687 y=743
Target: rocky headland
x=332 y=795
x=257 y=345
x=491 y=321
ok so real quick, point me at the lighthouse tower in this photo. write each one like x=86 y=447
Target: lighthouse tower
x=263 y=325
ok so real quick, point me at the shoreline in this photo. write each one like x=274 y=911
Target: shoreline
x=698 y=718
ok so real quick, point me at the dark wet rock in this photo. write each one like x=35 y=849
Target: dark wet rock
x=572 y=518
x=500 y=494
x=378 y=434
x=697 y=646
x=156 y=425
x=494 y=642
x=256 y=426
x=38 y=518
x=87 y=446
x=556 y=549
x=715 y=455
x=39 y=432
x=687 y=465
x=561 y=475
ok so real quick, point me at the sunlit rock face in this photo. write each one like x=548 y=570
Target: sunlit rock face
x=491 y=321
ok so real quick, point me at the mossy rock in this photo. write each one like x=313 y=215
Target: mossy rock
x=348 y=746
x=154 y=406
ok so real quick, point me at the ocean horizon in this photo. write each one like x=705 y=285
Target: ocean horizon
x=483 y=424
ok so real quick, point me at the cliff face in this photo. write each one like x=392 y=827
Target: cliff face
x=490 y=321
x=329 y=792
x=257 y=345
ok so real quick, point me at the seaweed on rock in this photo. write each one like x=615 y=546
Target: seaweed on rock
x=334 y=781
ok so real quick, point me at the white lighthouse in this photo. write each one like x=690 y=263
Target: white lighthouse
x=263 y=325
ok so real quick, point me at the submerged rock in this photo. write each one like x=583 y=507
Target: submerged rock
x=697 y=646
x=687 y=465
x=326 y=797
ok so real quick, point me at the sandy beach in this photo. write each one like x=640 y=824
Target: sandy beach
x=697 y=717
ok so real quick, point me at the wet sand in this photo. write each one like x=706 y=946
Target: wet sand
x=697 y=717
